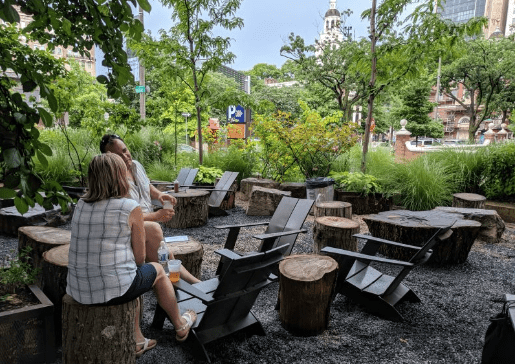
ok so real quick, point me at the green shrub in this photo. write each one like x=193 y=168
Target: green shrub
x=422 y=183
x=16 y=273
x=208 y=174
x=237 y=158
x=161 y=171
x=356 y=182
x=499 y=172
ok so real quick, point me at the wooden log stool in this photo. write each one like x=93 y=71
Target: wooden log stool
x=98 y=334
x=333 y=208
x=247 y=185
x=41 y=239
x=264 y=201
x=190 y=253
x=306 y=286
x=468 y=200
x=53 y=283
x=298 y=189
x=191 y=209
x=337 y=232
x=229 y=199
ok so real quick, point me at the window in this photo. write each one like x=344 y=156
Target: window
x=69 y=53
x=464 y=120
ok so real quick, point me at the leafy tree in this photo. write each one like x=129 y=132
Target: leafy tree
x=273 y=99
x=189 y=48
x=486 y=70
x=415 y=108
x=81 y=25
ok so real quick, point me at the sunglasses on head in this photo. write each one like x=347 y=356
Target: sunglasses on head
x=106 y=139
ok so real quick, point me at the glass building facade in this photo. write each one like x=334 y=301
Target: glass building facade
x=460 y=11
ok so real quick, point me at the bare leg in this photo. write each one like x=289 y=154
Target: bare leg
x=153 y=237
x=139 y=337
x=167 y=298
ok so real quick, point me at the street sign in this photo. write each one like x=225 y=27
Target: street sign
x=236 y=114
x=140 y=89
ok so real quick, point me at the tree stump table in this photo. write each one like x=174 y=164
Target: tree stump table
x=333 y=208
x=98 y=334
x=53 y=281
x=469 y=200
x=337 y=232
x=306 y=286
x=191 y=209
x=190 y=253
x=41 y=239
x=264 y=201
x=298 y=189
x=416 y=227
x=492 y=225
x=247 y=185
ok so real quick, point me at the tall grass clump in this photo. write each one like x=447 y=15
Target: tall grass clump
x=236 y=159
x=422 y=183
x=464 y=165
x=379 y=161
x=499 y=172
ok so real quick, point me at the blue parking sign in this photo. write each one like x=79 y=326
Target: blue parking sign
x=236 y=114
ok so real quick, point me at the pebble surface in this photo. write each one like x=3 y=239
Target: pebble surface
x=448 y=326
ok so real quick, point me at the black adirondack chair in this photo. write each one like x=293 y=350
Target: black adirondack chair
x=218 y=193
x=283 y=228
x=223 y=304
x=376 y=291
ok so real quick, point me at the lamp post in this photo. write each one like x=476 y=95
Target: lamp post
x=186 y=115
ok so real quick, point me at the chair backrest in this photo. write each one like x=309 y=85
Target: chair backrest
x=240 y=282
x=289 y=215
x=189 y=180
x=225 y=183
x=182 y=176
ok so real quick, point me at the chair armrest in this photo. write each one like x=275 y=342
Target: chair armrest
x=276 y=235
x=193 y=291
x=365 y=257
x=241 y=225
x=227 y=253
x=384 y=241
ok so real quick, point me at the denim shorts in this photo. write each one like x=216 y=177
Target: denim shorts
x=143 y=282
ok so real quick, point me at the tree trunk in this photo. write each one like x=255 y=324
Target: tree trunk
x=191 y=209
x=248 y=183
x=336 y=232
x=468 y=200
x=191 y=255
x=98 y=334
x=333 y=208
x=306 y=286
x=41 y=239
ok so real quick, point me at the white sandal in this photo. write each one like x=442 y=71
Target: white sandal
x=146 y=347
x=191 y=317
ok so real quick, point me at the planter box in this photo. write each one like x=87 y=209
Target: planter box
x=364 y=205
x=27 y=334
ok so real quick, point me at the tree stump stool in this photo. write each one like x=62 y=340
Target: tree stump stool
x=298 y=189
x=191 y=209
x=190 y=253
x=98 y=334
x=53 y=283
x=333 y=208
x=417 y=227
x=468 y=200
x=229 y=199
x=492 y=226
x=247 y=185
x=336 y=232
x=306 y=287
x=264 y=201
x=11 y=219
x=41 y=239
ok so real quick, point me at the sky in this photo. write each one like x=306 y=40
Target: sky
x=267 y=25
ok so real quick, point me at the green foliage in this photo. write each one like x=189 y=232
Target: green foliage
x=16 y=272
x=208 y=174
x=422 y=183
x=236 y=158
x=356 y=182
x=160 y=171
x=499 y=172
x=312 y=143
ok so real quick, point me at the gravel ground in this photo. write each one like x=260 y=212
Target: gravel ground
x=448 y=326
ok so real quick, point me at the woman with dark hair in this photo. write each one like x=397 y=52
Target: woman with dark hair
x=107 y=250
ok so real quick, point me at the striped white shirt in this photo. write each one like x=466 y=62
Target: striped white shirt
x=140 y=190
x=101 y=263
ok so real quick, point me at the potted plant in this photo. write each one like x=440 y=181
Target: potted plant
x=26 y=314
x=363 y=191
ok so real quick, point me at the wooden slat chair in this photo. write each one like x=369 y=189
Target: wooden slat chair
x=223 y=304
x=283 y=228
x=376 y=291
x=186 y=178
x=218 y=193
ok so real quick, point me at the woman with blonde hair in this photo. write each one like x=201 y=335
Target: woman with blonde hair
x=107 y=250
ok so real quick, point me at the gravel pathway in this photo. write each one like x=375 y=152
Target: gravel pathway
x=448 y=326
